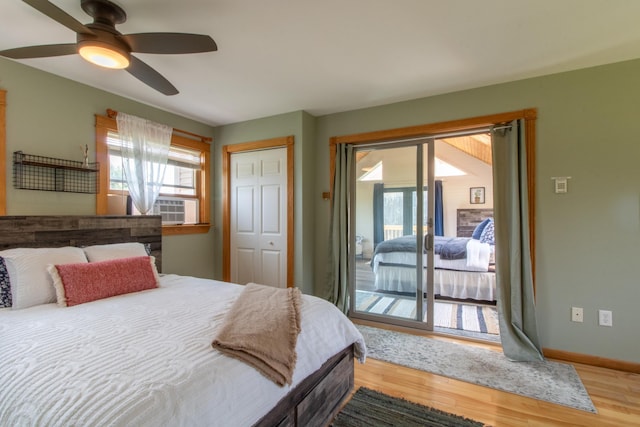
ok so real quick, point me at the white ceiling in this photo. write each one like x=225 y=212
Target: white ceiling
x=326 y=56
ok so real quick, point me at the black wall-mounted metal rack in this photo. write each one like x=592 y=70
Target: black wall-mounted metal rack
x=50 y=174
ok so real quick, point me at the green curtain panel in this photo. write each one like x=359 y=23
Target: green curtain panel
x=337 y=288
x=516 y=304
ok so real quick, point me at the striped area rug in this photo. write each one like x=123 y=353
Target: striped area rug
x=451 y=315
x=371 y=408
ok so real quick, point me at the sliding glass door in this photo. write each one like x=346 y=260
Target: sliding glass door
x=392 y=211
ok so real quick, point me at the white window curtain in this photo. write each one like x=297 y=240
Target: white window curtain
x=145 y=150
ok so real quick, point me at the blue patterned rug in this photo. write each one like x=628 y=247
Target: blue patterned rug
x=460 y=316
x=549 y=381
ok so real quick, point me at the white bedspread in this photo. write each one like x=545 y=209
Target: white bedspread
x=479 y=260
x=447 y=283
x=145 y=359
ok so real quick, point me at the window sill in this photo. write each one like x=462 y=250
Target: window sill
x=177 y=230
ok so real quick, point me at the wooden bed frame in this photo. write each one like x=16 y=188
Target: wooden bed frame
x=313 y=402
x=58 y=231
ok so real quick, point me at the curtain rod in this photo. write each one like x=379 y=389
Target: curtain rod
x=113 y=113
x=434 y=136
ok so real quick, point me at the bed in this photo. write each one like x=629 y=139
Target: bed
x=463 y=266
x=145 y=358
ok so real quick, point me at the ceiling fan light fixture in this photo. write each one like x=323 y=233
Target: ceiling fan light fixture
x=104 y=55
x=101 y=44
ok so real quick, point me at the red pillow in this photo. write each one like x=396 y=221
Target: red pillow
x=80 y=283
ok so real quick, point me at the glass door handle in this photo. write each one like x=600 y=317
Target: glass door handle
x=428 y=242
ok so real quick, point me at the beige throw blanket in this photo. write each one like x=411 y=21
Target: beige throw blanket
x=261 y=329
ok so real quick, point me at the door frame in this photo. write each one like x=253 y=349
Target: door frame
x=425 y=147
x=266 y=144
x=433 y=129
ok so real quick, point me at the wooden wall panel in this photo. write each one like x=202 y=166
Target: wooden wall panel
x=57 y=231
x=468 y=219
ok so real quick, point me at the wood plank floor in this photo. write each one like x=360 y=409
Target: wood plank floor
x=615 y=394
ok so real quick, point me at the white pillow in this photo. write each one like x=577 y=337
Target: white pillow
x=114 y=251
x=31 y=283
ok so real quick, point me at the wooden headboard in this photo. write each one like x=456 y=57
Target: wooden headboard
x=57 y=231
x=468 y=219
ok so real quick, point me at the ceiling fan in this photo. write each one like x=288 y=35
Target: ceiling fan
x=100 y=43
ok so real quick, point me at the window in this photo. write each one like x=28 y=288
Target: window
x=178 y=200
x=184 y=198
x=400 y=208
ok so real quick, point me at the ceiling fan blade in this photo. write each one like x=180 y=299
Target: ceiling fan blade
x=170 y=43
x=150 y=77
x=59 y=15
x=42 y=51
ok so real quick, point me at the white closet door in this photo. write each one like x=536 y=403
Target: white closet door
x=259 y=217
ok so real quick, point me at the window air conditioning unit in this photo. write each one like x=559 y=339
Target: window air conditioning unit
x=171 y=209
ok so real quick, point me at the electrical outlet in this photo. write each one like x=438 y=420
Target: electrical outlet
x=577 y=314
x=605 y=318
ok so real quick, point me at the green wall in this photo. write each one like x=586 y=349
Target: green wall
x=588 y=240
x=51 y=116
x=301 y=125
